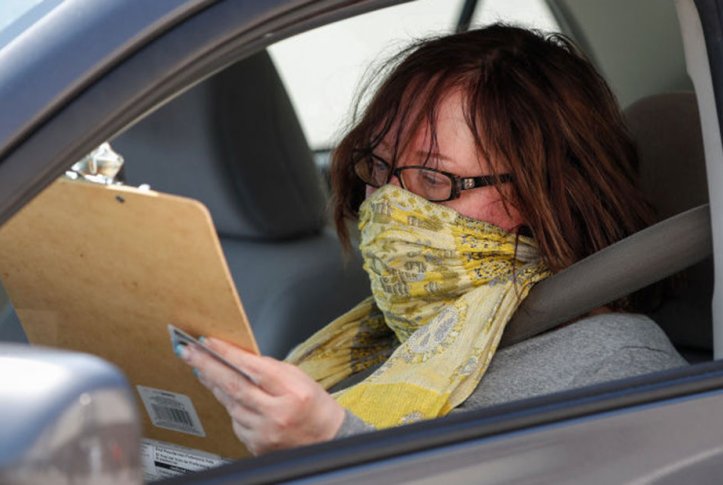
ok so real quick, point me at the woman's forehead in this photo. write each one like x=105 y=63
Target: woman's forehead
x=419 y=120
x=447 y=140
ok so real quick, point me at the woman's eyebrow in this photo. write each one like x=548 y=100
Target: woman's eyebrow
x=437 y=157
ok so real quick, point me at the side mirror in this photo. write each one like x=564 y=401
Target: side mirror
x=66 y=418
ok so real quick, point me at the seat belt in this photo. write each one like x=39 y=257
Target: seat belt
x=620 y=269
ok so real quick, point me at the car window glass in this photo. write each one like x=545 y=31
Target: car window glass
x=322 y=69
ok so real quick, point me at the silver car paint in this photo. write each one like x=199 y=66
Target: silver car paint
x=65 y=418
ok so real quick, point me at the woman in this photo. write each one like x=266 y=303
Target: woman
x=485 y=161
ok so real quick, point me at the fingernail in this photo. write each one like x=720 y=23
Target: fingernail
x=181 y=351
x=196 y=372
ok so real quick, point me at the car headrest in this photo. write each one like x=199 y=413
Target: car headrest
x=666 y=130
x=234 y=143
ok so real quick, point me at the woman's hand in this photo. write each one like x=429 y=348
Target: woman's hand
x=287 y=408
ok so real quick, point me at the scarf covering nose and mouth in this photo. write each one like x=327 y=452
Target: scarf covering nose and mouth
x=444 y=286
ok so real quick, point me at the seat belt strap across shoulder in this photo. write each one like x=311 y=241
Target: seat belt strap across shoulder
x=635 y=262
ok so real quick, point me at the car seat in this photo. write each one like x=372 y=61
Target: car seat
x=234 y=143
x=666 y=129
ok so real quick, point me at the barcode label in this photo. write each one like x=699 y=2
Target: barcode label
x=172 y=415
x=169 y=410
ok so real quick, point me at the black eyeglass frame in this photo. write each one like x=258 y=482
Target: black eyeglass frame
x=458 y=183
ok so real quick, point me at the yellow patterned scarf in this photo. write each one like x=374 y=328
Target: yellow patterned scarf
x=444 y=288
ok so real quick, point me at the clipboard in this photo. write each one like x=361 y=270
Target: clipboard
x=103 y=269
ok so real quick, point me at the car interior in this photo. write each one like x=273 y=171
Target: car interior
x=235 y=143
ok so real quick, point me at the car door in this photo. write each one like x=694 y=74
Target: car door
x=646 y=429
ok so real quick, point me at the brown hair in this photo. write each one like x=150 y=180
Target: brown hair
x=535 y=105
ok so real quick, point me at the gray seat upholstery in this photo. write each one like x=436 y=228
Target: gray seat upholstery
x=234 y=143
x=667 y=131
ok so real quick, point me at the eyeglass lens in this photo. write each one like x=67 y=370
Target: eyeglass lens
x=426 y=183
x=372 y=171
x=429 y=184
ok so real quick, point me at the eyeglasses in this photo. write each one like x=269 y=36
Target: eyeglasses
x=433 y=185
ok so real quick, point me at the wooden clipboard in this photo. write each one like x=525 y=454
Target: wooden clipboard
x=103 y=269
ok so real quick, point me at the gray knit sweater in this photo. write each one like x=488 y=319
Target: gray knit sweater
x=592 y=350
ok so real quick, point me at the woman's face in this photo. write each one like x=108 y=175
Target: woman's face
x=457 y=154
